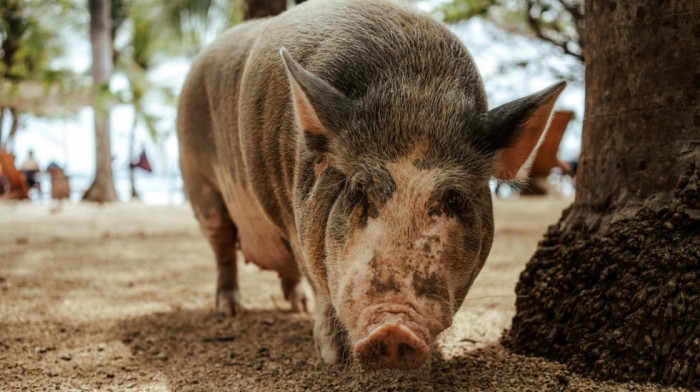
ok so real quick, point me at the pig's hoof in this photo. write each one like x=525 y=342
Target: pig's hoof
x=329 y=354
x=331 y=348
x=298 y=295
x=301 y=300
x=329 y=335
x=228 y=302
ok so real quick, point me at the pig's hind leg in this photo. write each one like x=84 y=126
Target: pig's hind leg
x=222 y=234
x=297 y=294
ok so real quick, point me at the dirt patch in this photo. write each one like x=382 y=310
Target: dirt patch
x=120 y=297
x=620 y=301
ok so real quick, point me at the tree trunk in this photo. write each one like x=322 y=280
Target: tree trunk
x=9 y=143
x=2 y=123
x=614 y=287
x=263 y=8
x=132 y=139
x=102 y=188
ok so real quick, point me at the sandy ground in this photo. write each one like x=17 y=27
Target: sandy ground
x=120 y=297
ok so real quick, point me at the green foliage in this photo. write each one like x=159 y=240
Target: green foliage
x=560 y=22
x=459 y=10
x=148 y=33
x=195 y=22
x=29 y=40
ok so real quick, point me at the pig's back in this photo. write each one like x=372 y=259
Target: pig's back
x=238 y=129
x=210 y=151
x=354 y=45
x=207 y=109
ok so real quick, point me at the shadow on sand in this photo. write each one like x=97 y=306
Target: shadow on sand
x=266 y=350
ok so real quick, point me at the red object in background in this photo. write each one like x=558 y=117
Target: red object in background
x=142 y=162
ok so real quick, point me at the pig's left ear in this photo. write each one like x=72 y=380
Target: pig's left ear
x=319 y=106
x=516 y=128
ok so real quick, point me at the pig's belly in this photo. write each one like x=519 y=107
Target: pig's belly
x=261 y=241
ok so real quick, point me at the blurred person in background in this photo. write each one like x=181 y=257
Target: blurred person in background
x=30 y=169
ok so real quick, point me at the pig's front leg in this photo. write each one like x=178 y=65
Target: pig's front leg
x=329 y=334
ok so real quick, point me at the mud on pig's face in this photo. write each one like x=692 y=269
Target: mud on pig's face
x=404 y=242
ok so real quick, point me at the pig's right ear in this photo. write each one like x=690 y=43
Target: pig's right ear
x=514 y=130
x=318 y=106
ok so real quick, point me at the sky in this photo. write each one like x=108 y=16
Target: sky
x=69 y=142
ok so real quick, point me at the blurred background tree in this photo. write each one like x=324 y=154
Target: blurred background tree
x=102 y=188
x=559 y=22
x=145 y=48
x=27 y=46
x=148 y=37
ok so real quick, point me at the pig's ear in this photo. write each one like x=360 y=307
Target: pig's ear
x=319 y=106
x=515 y=130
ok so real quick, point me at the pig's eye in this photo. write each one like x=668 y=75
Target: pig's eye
x=357 y=194
x=453 y=203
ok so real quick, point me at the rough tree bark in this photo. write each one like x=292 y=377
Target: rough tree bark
x=102 y=188
x=614 y=287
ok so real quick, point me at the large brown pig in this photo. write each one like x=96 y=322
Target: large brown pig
x=359 y=159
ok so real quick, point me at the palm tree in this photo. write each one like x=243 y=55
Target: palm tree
x=146 y=48
x=195 y=23
x=102 y=188
x=27 y=45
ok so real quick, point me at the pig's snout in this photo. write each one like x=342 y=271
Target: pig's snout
x=393 y=342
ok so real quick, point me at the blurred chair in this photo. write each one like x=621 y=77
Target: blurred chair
x=60 y=184
x=18 y=186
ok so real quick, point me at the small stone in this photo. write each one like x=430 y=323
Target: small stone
x=668 y=225
x=692 y=213
x=672 y=286
x=66 y=357
x=101 y=347
x=666 y=348
x=563 y=379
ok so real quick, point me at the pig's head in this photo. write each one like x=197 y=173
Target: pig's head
x=395 y=214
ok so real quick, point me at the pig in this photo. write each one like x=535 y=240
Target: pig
x=348 y=143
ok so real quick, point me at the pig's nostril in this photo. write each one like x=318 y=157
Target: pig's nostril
x=378 y=349
x=404 y=350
